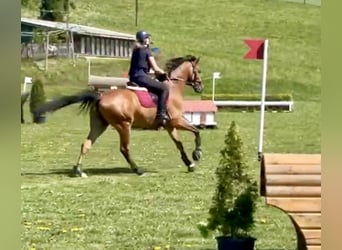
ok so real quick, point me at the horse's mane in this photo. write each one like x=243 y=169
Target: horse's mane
x=175 y=62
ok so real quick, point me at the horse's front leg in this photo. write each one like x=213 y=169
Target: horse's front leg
x=183 y=124
x=174 y=136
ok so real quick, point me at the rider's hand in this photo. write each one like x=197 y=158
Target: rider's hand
x=162 y=76
x=160 y=72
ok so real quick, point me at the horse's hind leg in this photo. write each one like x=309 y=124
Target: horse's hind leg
x=124 y=130
x=97 y=126
x=174 y=136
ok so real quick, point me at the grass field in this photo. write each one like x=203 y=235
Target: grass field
x=117 y=210
x=216 y=33
x=114 y=209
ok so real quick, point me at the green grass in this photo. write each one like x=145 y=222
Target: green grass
x=216 y=32
x=118 y=210
x=114 y=209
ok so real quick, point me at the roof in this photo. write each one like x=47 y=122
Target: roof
x=77 y=28
x=199 y=106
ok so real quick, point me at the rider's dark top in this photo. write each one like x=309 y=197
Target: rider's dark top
x=139 y=62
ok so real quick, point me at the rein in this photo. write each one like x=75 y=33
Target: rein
x=177 y=78
x=192 y=83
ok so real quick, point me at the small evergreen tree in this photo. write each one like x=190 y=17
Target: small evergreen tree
x=233 y=203
x=37 y=97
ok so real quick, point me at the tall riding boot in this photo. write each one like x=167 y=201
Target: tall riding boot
x=162 y=115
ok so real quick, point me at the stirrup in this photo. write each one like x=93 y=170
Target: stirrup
x=162 y=118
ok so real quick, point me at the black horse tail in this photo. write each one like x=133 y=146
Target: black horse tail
x=87 y=99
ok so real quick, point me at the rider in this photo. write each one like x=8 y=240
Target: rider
x=141 y=62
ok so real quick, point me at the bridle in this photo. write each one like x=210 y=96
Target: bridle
x=194 y=82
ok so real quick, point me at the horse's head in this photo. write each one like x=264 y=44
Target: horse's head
x=186 y=69
x=194 y=79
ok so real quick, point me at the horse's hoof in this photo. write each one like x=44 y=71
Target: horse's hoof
x=139 y=171
x=191 y=167
x=77 y=172
x=84 y=175
x=196 y=155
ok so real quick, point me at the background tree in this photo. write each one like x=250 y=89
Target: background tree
x=30 y=4
x=55 y=10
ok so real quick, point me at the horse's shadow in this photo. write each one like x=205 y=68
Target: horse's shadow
x=88 y=171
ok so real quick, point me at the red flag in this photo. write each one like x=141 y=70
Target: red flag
x=256 y=49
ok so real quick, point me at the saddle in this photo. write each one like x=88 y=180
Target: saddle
x=146 y=98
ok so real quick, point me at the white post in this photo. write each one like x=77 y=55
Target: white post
x=213 y=94
x=263 y=94
x=47 y=51
x=216 y=75
x=72 y=48
x=88 y=68
x=26 y=81
x=24 y=88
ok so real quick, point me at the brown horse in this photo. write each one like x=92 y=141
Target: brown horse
x=126 y=108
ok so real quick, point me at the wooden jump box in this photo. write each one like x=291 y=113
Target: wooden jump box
x=292 y=183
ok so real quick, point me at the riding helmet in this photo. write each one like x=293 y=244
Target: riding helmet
x=142 y=35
